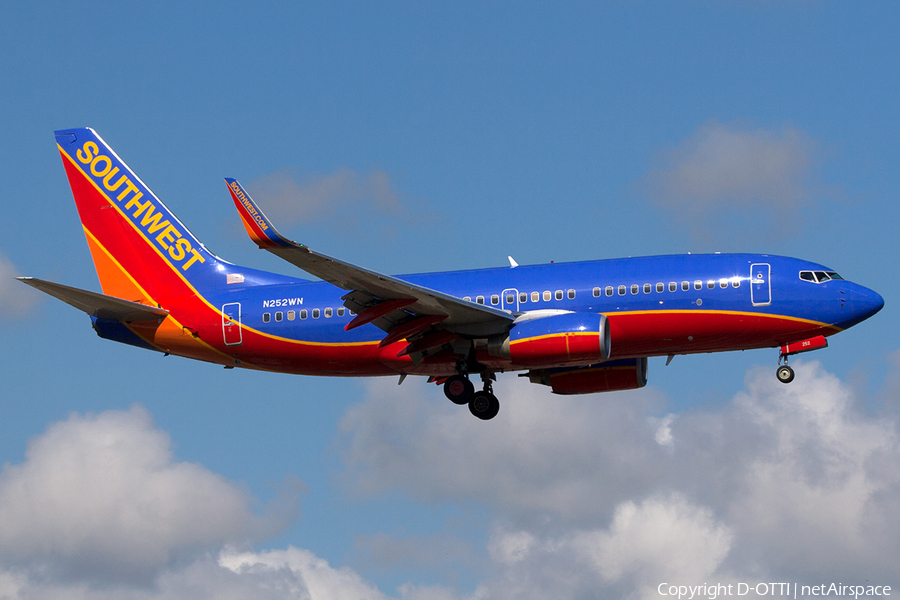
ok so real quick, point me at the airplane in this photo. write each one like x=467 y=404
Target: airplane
x=579 y=328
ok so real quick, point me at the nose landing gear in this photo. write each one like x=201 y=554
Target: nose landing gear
x=784 y=373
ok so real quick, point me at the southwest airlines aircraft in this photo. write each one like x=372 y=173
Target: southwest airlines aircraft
x=578 y=327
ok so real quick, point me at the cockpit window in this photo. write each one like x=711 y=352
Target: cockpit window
x=819 y=276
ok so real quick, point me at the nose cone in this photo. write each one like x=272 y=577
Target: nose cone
x=864 y=303
x=867 y=302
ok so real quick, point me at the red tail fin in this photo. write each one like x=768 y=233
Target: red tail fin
x=141 y=251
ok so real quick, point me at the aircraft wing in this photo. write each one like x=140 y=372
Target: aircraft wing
x=97 y=305
x=386 y=301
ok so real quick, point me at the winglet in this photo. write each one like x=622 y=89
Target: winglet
x=255 y=222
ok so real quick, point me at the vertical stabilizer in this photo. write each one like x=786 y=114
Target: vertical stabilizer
x=141 y=251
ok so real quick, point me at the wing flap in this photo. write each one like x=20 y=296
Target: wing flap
x=97 y=305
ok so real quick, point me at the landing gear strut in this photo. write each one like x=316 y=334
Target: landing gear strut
x=784 y=373
x=460 y=390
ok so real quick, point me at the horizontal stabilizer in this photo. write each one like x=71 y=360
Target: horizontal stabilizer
x=97 y=305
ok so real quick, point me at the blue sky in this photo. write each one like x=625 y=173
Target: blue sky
x=416 y=137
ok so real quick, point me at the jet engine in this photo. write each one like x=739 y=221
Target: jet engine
x=560 y=340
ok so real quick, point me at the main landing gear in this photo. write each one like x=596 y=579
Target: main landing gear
x=483 y=404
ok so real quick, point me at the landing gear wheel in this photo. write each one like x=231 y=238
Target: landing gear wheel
x=785 y=374
x=484 y=405
x=458 y=389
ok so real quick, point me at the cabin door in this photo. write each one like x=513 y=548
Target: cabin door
x=760 y=284
x=231 y=323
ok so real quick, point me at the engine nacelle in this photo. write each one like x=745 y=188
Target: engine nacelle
x=556 y=341
x=614 y=375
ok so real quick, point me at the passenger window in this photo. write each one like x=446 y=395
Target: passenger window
x=510 y=298
x=570 y=294
x=635 y=288
x=523 y=297
x=660 y=288
x=711 y=284
x=596 y=292
x=547 y=296
x=723 y=283
x=495 y=299
x=292 y=315
x=479 y=299
x=328 y=313
x=559 y=294
x=535 y=296
x=303 y=314
x=467 y=298
x=279 y=316
x=341 y=312
x=621 y=290
x=698 y=285
x=315 y=313
x=648 y=288
x=736 y=282
x=267 y=317
x=609 y=290
x=673 y=286
x=685 y=286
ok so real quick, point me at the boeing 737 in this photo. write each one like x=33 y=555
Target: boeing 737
x=578 y=328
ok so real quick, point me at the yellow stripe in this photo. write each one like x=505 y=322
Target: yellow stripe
x=118 y=264
x=143 y=291
x=215 y=309
x=551 y=335
x=137 y=229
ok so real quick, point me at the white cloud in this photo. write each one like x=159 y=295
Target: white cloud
x=783 y=481
x=730 y=176
x=301 y=574
x=572 y=456
x=101 y=497
x=16 y=298
x=780 y=483
x=663 y=536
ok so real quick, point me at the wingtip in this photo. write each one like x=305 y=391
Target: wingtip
x=258 y=226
